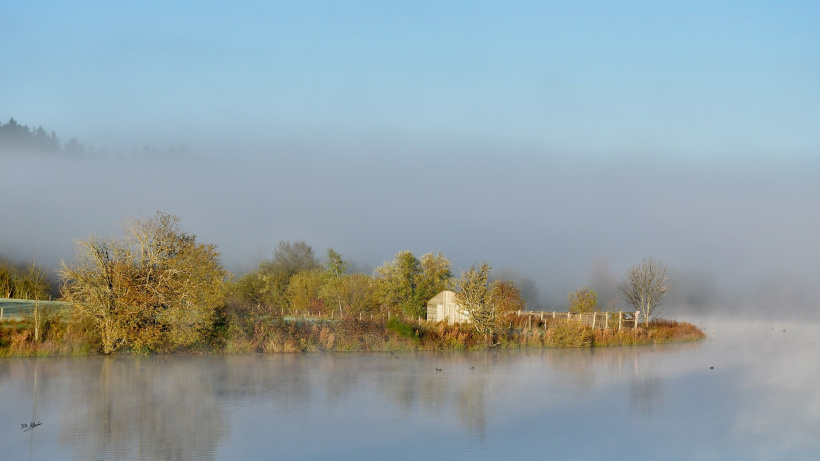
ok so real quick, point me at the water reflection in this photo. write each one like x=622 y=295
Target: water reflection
x=179 y=407
x=645 y=393
x=143 y=408
x=471 y=404
x=319 y=406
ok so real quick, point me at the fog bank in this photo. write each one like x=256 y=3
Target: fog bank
x=734 y=234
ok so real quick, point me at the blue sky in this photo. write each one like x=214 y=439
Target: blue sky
x=563 y=141
x=685 y=78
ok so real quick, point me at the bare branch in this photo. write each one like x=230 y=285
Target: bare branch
x=644 y=287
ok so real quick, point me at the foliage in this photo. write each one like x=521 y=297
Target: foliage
x=436 y=276
x=58 y=335
x=645 y=286
x=571 y=334
x=353 y=293
x=408 y=283
x=663 y=331
x=273 y=334
x=335 y=266
x=507 y=298
x=303 y=290
x=290 y=258
x=397 y=283
x=23 y=281
x=269 y=283
x=250 y=288
x=583 y=300
x=473 y=295
x=155 y=289
x=404 y=329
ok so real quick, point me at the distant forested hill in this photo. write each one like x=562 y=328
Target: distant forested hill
x=15 y=138
x=20 y=139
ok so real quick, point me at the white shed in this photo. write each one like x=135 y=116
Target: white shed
x=443 y=308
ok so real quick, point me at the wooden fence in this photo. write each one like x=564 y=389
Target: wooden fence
x=15 y=309
x=600 y=320
x=533 y=319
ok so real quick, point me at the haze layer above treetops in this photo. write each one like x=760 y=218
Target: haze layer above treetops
x=561 y=142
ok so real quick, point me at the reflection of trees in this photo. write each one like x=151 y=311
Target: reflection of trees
x=283 y=378
x=174 y=407
x=632 y=365
x=577 y=366
x=471 y=405
x=342 y=377
x=144 y=409
x=645 y=392
x=412 y=382
x=459 y=391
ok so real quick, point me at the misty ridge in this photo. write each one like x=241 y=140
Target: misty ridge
x=739 y=236
x=17 y=139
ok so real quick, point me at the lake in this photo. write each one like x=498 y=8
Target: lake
x=760 y=401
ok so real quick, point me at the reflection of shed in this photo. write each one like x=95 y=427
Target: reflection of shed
x=443 y=308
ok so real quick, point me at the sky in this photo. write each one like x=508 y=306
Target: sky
x=560 y=141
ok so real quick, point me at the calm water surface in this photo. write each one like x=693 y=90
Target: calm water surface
x=761 y=401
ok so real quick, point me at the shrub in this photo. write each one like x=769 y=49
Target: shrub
x=571 y=334
x=404 y=329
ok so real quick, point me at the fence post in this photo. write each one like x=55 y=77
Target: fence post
x=553 y=314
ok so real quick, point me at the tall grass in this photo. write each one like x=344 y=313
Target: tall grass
x=57 y=339
x=276 y=335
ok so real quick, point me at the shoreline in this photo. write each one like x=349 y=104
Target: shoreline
x=62 y=338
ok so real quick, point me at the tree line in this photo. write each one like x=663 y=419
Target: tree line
x=17 y=138
x=24 y=281
x=157 y=288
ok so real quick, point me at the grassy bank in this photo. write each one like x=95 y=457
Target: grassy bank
x=59 y=336
x=18 y=309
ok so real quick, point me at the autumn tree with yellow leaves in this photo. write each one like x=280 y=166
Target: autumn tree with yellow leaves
x=155 y=289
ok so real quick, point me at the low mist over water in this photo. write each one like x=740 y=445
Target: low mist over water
x=749 y=392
